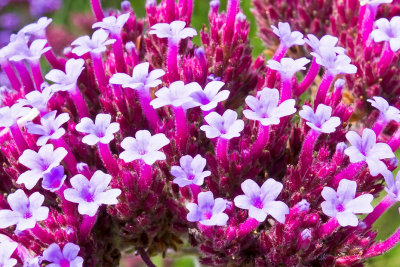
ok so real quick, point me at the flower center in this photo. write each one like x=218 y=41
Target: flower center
x=207 y=215
x=340 y=207
x=27 y=215
x=64 y=263
x=257 y=202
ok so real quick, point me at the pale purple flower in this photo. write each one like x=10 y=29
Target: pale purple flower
x=91 y=194
x=374 y=2
x=38 y=99
x=66 y=81
x=265 y=109
x=145 y=147
x=208 y=211
x=102 y=130
x=366 y=149
x=343 y=205
x=37 y=29
x=141 y=79
x=25 y=212
x=39 y=163
x=31 y=53
x=97 y=44
x=261 y=201
x=67 y=257
x=388 y=31
x=10 y=115
x=226 y=126
x=40 y=7
x=321 y=120
x=175 y=31
x=288 y=38
x=177 y=95
x=288 y=66
x=335 y=64
x=54 y=178
x=112 y=24
x=387 y=113
x=7 y=248
x=190 y=171
x=327 y=41
x=33 y=262
x=208 y=98
x=50 y=127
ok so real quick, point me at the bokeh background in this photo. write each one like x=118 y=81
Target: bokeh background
x=73 y=18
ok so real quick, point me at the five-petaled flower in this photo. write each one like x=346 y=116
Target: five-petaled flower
x=25 y=212
x=208 y=211
x=102 y=130
x=66 y=81
x=38 y=99
x=226 y=126
x=31 y=53
x=37 y=29
x=190 y=171
x=388 y=31
x=288 y=66
x=177 y=95
x=327 y=41
x=175 y=31
x=288 y=38
x=97 y=44
x=112 y=24
x=260 y=201
x=334 y=63
x=67 y=257
x=387 y=113
x=343 y=205
x=10 y=115
x=321 y=120
x=91 y=194
x=392 y=185
x=7 y=248
x=208 y=98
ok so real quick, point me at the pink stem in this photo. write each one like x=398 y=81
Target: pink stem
x=245 y=228
x=385 y=203
x=271 y=74
x=386 y=59
x=37 y=74
x=170 y=10
x=97 y=10
x=350 y=171
x=172 y=61
x=222 y=152
x=328 y=228
x=323 y=89
x=69 y=159
x=25 y=76
x=86 y=226
x=119 y=53
x=146 y=259
x=99 y=72
x=384 y=246
x=54 y=62
x=18 y=137
x=379 y=125
x=80 y=103
x=42 y=234
x=69 y=208
x=306 y=155
x=368 y=22
x=148 y=110
x=394 y=141
x=109 y=161
x=12 y=77
x=286 y=89
x=146 y=175
x=233 y=9
x=261 y=142
x=309 y=78
x=181 y=128
x=195 y=191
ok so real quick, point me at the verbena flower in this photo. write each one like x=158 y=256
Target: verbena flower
x=209 y=98
x=112 y=24
x=343 y=205
x=287 y=37
x=392 y=185
x=66 y=81
x=388 y=31
x=177 y=95
x=226 y=126
x=38 y=100
x=287 y=67
x=387 y=113
x=37 y=28
x=6 y=250
x=175 y=31
x=54 y=178
x=97 y=44
x=326 y=41
x=321 y=120
x=31 y=53
x=102 y=130
x=335 y=64
x=9 y=115
x=190 y=171
x=67 y=257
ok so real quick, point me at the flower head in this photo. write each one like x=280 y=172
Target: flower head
x=38 y=99
x=288 y=38
x=97 y=44
x=177 y=95
x=10 y=115
x=343 y=205
x=261 y=201
x=327 y=41
x=265 y=109
x=226 y=126
x=91 y=194
x=102 y=130
x=68 y=256
x=208 y=98
x=387 y=113
x=50 y=127
x=374 y=2
x=335 y=64
x=66 y=81
x=321 y=120
x=190 y=171
x=366 y=149
x=6 y=250
x=39 y=163
x=37 y=29
x=208 y=211
x=388 y=31
x=112 y=24
x=54 y=178
x=175 y=31
x=288 y=66
x=144 y=147
x=31 y=53
x=25 y=212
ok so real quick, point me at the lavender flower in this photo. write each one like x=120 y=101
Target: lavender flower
x=175 y=31
x=190 y=171
x=288 y=38
x=374 y=2
x=388 y=31
x=387 y=113
x=335 y=64
x=112 y=24
x=68 y=256
x=37 y=29
x=100 y=131
x=261 y=201
x=31 y=53
x=39 y=163
x=38 y=99
x=366 y=149
x=343 y=205
x=177 y=95
x=66 y=81
x=91 y=194
x=6 y=250
x=144 y=147
x=9 y=116
x=50 y=127
x=97 y=44
x=226 y=126
x=208 y=211
x=54 y=178
x=265 y=109
x=327 y=41
x=25 y=212
x=321 y=120
x=208 y=98
x=288 y=66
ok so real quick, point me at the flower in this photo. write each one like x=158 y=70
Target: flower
x=66 y=81
x=9 y=116
x=91 y=194
x=50 y=127
x=288 y=38
x=366 y=149
x=392 y=185
x=112 y=24
x=100 y=131
x=68 y=256
x=31 y=53
x=38 y=28
x=39 y=163
x=374 y=2
x=144 y=147
x=387 y=113
x=97 y=44
x=190 y=171
x=25 y=212
x=343 y=205
x=261 y=201
x=388 y=31
x=177 y=95
x=175 y=31
x=327 y=41
x=54 y=179
x=288 y=66
x=38 y=99
x=208 y=98
x=208 y=211
x=321 y=120
x=141 y=79
x=335 y=64
x=226 y=126
x=6 y=250
x=265 y=109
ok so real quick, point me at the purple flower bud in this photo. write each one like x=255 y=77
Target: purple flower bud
x=327 y=41
x=261 y=201
x=208 y=211
x=335 y=64
x=288 y=66
x=208 y=98
x=190 y=171
x=25 y=212
x=91 y=194
x=38 y=99
x=321 y=120
x=97 y=44
x=54 y=179
x=388 y=31
x=343 y=205
x=387 y=113
x=303 y=205
x=177 y=95
x=288 y=38
x=66 y=81
x=102 y=130
x=175 y=31
x=37 y=29
x=341 y=147
x=68 y=256
x=6 y=250
x=226 y=126
x=9 y=116
x=112 y=24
